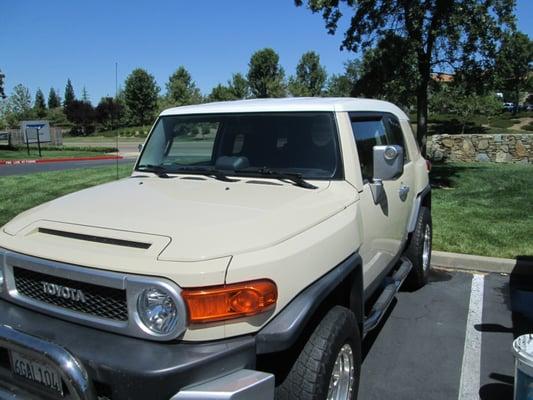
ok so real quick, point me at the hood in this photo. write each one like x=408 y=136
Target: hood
x=189 y=218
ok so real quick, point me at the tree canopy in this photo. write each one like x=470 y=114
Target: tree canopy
x=310 y=76
x=265 y=75
x=181 y=89
x=69 y=94
x=109 y=112
x=81 y=114
x=513 y=64
x=2 y=92
x=441 y=32
x=53 y=99
x=342 y=85
x=20 y=100
x=389 y=72
x=140 y=93
x=85 y=95
x=236 y=89
x=40 y=104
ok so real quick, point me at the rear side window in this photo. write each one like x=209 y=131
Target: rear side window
x=375 y=130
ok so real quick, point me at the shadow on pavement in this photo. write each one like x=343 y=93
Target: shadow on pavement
x=519 y=298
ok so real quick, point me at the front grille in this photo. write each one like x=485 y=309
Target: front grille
x=100 y=301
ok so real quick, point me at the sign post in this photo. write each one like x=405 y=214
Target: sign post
x=36 y=132
x=27 y=141
x=39 y=140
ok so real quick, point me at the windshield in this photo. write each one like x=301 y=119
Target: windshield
x=303 y=143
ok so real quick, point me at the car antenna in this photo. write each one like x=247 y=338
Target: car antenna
x=116 y=100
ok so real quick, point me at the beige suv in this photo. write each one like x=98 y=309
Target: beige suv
x=252 y=248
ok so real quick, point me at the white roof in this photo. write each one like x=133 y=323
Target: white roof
x=290 y=104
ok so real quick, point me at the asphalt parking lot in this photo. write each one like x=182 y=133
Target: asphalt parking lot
x=449 y=340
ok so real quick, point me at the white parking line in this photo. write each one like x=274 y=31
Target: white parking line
x=471 y=368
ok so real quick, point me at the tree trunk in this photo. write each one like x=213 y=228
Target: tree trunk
x=422 y=114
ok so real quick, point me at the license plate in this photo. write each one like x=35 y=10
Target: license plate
x=37 y=372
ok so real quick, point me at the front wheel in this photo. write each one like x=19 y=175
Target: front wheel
x=329 y=366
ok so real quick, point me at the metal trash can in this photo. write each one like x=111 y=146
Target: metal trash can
x=523 y=353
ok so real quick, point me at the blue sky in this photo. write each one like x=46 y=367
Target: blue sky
x=42 y=43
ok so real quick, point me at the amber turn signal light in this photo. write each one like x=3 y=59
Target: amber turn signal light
x=218 y=303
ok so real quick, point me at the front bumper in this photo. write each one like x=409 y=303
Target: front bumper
x=100 y=365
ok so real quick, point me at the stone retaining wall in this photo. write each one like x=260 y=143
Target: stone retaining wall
x=483 y=148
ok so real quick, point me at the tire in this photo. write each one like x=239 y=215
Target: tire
x=415 y=251
x=310 y=376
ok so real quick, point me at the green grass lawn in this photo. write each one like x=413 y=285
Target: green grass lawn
x=483 y=209
x=21 y=154
x=21 y=192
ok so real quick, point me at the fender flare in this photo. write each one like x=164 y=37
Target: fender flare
x=411 y=224
x=285 y=329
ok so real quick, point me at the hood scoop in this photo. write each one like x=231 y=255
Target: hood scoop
x=96 y=239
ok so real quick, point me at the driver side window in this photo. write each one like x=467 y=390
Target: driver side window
x=375 y=130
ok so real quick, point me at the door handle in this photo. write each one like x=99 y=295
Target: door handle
x=403 y=191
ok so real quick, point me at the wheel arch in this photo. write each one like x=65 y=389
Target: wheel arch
x=285 y=336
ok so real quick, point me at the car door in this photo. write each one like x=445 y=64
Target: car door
x=384 y=222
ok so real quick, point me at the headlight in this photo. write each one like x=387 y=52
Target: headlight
x=157 y=311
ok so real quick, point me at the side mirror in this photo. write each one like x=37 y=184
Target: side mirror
x=388 y=162
x=140 y=147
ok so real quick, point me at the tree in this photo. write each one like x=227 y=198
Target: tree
x=342 y=85
x=40 y=104
x=239 y=86
x=140 y=95
x=457 y=100
x=2 y=92
x=440 y=31
x=81 y=114
x=181 y=89
x=310 y=76
x=265 y=75
x=20 y=101
x=109 y=112
x=53 y=99
x=389 y=72
x=69 y=94
x=513 y=64
x=85 y=96
x=221 y=93
x=236 y=89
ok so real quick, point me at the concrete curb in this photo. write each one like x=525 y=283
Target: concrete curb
x=479 y=263
x=55 y=160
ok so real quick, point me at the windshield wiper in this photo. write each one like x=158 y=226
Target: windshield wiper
x=216 y=173
x=155 y=169
x=294 y=177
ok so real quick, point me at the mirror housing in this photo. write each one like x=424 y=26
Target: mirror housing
x=388 y=162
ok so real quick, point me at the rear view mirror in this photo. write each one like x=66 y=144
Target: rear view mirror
x=388 y=162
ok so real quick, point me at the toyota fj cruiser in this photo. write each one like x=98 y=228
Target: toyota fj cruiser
x=253 y=247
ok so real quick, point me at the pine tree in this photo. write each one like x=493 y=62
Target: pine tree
x=69 y=94
x=40 y=104
x=2 y=94
x=53 y=99
x=85 y=96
